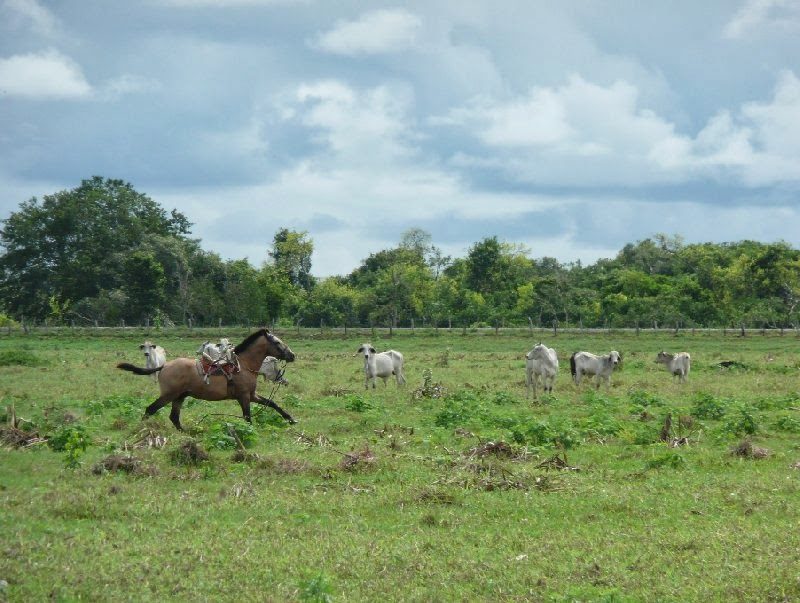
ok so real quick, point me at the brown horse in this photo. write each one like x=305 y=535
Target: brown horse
x=179 y=378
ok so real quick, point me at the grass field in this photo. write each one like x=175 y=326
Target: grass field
x=462 y=490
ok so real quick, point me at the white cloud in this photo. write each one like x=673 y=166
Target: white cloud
x=127 y=84
x=380 y=31
x=587 y=134
x=33 y=15
x=361 y=127
x=45 y=75
x=224 y=3
x=755 y=14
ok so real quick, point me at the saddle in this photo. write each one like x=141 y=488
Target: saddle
x=217 y=359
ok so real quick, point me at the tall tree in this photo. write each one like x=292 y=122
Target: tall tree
x=68 y=246
x=291 y=254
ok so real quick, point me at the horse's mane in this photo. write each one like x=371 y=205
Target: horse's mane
x=249 y=341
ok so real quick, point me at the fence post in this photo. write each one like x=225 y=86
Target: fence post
x=530 y=326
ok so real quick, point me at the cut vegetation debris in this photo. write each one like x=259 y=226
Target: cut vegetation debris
x=12 y=437
x=746 y=449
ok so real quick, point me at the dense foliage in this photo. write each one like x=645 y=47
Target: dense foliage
x=103 y=253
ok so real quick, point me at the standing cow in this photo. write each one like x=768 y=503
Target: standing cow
x=541 y=363
x=586 y=363
x=677 y=364
x=382 y=365
x=154 y=356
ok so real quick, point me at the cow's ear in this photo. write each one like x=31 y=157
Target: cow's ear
x=141 y=346
x=373 y=350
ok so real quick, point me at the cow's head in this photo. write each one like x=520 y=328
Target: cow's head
x=147 y=347
x=615 y=357
x=366 y=349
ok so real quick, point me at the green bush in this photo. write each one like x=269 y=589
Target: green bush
x=75 y=433
x=740 y=422
x=356 y=403
x=673 y=460
x=706 y=406
x=221 y=435
x=19 y=358
x=787 y=423
x=602 y=424
x=458 y=409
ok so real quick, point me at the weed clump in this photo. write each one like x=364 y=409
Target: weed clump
x=188 y=453
x=429 y=389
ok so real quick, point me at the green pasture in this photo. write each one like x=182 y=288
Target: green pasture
x=454 y=488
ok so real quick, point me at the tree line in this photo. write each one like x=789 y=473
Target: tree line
x=103 y=253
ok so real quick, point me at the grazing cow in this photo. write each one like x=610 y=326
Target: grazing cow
x=271 y=371
x=541 y=363
x=154 y=356
x=677 y=364
x=382 y=365
x=585 y=363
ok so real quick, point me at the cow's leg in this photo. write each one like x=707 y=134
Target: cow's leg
x=175 y=413
x=267 y=402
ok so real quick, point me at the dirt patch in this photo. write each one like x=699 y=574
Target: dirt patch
x=119 y=463
x=746 y=449
x=358 y=460
x=283 y=465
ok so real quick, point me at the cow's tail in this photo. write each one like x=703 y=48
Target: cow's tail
x=572 y=364
x=137 y=370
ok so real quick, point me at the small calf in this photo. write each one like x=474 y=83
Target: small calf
x=540 y=363
x=154 y=356
x=382 y=365
x=677 y=364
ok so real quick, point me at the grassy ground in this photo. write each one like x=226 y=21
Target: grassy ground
x=403 y=494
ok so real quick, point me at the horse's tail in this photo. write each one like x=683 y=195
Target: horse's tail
x=572 y=364
x=126 y=366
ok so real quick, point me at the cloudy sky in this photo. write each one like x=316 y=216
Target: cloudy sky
x=569 y=127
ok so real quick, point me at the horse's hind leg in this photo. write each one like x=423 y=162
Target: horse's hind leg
x=160 y=403
x=175 y=413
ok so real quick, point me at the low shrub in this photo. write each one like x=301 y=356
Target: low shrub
x=226 y=435
x=19 y=358
x=706 y=406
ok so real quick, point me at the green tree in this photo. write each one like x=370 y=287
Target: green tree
x=291 y=254
x=144 y=282
x=69 y=245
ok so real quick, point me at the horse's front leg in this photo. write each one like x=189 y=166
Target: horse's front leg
x=244 y=402
x=267 y=402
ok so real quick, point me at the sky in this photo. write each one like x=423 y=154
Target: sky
x=570 y=128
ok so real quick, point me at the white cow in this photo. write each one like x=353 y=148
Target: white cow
x=586 y=363
x=154 y=356
x=677 y=364
x=540 y=363
x=382 y=365
x=271 y=371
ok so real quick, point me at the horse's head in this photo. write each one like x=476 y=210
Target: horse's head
x=278 y=349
